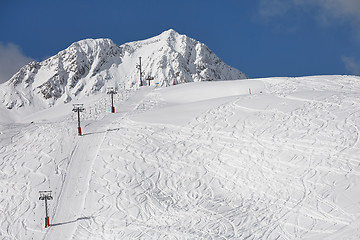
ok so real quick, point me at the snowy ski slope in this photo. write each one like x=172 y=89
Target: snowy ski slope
x=203 y=160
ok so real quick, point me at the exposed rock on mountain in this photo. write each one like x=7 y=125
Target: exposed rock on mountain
x=92 y=65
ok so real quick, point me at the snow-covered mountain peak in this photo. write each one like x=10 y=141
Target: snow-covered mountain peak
x=90 y=46
x=171 y=35
x=90 y=66
x=93 y=43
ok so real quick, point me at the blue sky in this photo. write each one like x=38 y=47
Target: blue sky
x=262 y=38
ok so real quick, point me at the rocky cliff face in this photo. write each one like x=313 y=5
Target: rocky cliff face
x=91 y=66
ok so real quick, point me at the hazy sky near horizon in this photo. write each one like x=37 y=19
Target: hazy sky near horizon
x=262 y=38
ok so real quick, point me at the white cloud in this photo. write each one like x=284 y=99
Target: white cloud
x=352 y=65
x=11 y=60
x=273 y=7
x=327 y=11
x=346 y=10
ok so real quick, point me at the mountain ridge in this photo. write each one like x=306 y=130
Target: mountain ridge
x=90 y=66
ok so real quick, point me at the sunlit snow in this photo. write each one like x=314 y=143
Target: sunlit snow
x=202 y=160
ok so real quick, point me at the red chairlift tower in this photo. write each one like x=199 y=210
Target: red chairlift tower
x=112 y=92
x=46 y=195
x=78 y=107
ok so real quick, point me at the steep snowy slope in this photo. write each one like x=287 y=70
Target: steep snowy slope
x=201 y=160
x=91 y=66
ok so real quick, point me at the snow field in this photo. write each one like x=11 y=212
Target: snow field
x=30 y=162
x=196 y=161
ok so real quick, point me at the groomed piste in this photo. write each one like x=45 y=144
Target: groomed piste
x=274 y=158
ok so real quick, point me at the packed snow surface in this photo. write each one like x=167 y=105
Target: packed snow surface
x=203 y=160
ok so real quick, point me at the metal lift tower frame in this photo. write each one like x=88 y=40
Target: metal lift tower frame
x=111 y=91
x=149 y=78
x=78 y=107
x=46 y=195
x=138 y=66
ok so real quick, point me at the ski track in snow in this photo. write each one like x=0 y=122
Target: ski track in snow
x=225 y=177
x=279 y=169
x=29 y=155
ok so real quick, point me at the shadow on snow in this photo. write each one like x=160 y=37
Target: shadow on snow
x=108 y=130
x=78 y=219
